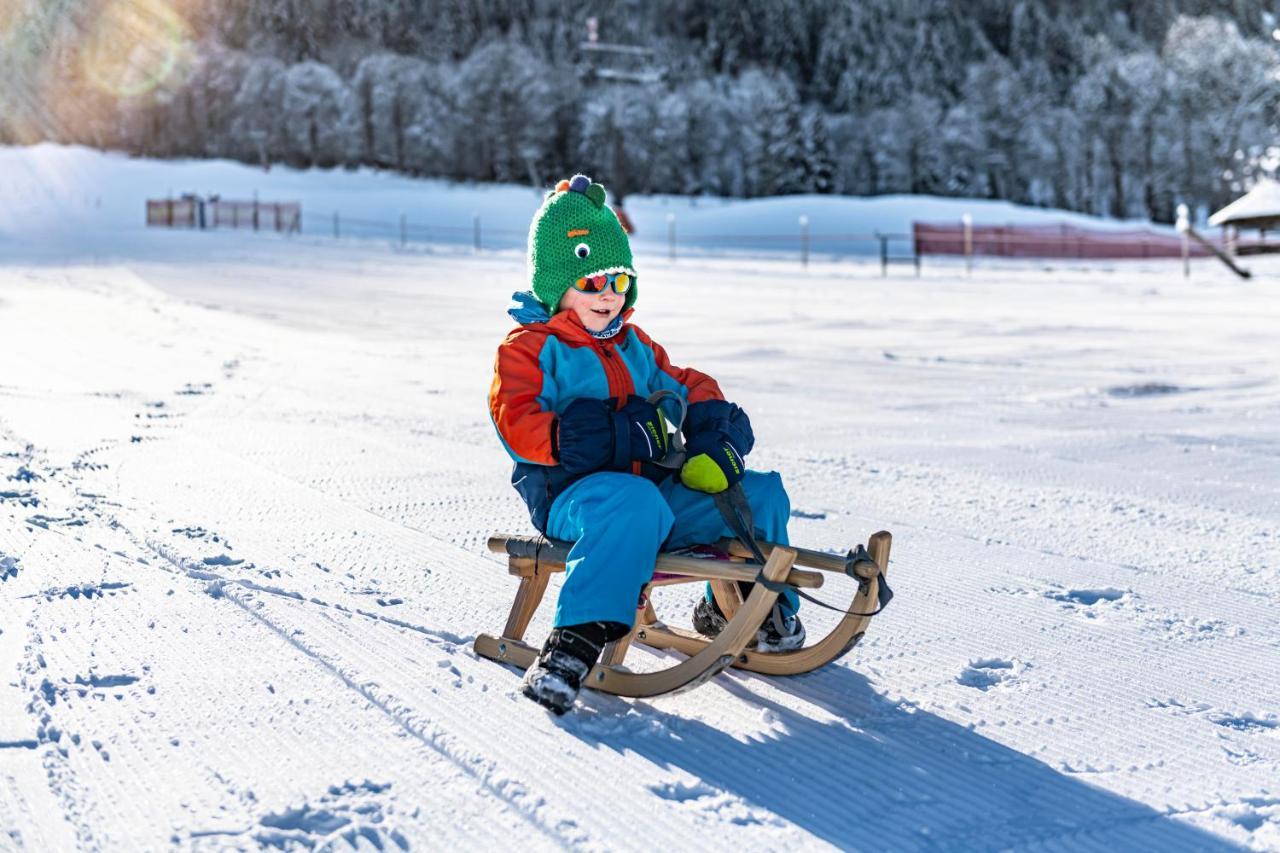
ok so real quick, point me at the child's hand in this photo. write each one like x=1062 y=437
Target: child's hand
x=713 y=464
x=720 y=417
x=591 y=435
x=645 y=430
x=584 y=435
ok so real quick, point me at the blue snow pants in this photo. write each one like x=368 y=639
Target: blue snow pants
x=618 y=522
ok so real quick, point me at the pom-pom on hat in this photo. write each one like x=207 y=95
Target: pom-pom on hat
x=575 y=234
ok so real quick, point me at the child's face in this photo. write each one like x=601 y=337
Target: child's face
x=595 y=310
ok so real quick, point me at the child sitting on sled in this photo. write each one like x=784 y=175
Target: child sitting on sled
x=569 y=402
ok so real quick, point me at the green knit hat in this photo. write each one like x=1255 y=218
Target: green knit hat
x=575 y=234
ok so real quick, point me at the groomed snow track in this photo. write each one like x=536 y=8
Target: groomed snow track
x=242 y=522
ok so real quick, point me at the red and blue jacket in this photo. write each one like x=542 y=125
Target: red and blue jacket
x=548 y=362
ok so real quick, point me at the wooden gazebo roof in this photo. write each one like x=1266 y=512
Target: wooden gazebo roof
x=1258 y=208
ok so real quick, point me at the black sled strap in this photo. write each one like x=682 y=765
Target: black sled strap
x=733 y=505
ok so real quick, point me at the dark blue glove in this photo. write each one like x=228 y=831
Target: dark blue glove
x=723 y=417
x=641 y=430
x=591 y=435
x=583 y=436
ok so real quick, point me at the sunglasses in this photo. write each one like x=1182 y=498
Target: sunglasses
x=619 y=281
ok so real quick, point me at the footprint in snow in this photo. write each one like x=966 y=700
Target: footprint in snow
x=85 y=590
x=25 y=475
x=1147 y=389
x=986 y=673
x=1087 y=597
x=359 y=815
x=43 y=521
x=204 y=535
x=1252 y=723
x=682 y=792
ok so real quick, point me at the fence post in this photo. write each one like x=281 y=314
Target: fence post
x=404 y=230
x=804 y=241
x=335 y=225
x=475 y=225
x=671 y=237
x=255 y=210
x=967 y=220
x=884 y=254
x=1183 y=225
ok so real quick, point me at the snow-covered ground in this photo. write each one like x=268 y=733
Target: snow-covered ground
x=245 y=483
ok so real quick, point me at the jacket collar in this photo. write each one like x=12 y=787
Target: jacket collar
x=526 y=310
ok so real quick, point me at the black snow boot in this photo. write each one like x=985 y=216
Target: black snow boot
x=707 y=618
x=778 y=633
x=568 y=655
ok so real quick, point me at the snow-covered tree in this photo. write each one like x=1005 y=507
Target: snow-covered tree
x=1225 y=93
x=1125 y=109
x=320 y=118
x=506 y=110
x=257 y=133
x=403 y=113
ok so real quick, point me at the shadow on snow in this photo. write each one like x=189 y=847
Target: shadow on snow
x=883 y=775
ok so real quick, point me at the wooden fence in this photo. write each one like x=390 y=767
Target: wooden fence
x=194 y=212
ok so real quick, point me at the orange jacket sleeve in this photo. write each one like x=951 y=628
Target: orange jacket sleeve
x=514 y=403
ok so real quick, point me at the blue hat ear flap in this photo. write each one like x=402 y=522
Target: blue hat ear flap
x=596 y=193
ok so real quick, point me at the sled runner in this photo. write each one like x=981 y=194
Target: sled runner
x=534 y=559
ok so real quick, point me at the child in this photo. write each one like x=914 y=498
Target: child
x=569 y=402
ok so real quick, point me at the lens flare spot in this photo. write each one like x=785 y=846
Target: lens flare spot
x=132 y=47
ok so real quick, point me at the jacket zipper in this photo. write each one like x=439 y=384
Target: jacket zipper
x=615 y=371
x=617 y=374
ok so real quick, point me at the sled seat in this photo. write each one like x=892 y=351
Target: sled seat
x=534 y=559
x=671 y=566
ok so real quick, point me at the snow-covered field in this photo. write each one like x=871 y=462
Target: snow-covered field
x=74 y=190
x=245 y=484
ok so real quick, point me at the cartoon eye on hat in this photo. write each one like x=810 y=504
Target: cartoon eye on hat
x=582 y=250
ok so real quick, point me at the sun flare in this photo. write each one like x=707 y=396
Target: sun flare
x=131 y=47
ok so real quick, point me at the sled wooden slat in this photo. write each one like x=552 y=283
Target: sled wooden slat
x=728 y=596
x=528 y=597
x=615 y=652
x=804 y=557
x=552 y=555
x=713 y=657
x=843 y=637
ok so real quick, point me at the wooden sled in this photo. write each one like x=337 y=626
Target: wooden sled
x=535 y=559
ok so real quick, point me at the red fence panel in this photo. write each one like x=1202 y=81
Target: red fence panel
x=1048 y=241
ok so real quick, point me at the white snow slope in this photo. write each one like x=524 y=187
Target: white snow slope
x=245 y=484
